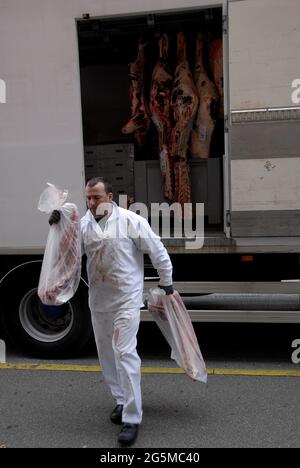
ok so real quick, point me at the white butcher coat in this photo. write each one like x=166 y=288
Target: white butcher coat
x=115 y=264
x=115 y=270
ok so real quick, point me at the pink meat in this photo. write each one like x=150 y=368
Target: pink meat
x=140 y=120
x=68 y=264
x=184 y=103
x=205 y=121
x=216 y=65
x=160 y=100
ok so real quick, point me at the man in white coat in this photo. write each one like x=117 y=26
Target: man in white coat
x=114 y=241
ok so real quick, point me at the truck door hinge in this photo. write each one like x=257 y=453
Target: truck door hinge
x=228 y=218
x=225 y=24
x=226 y=123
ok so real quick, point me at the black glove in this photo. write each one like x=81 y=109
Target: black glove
x=168 y=289
x=54 y=218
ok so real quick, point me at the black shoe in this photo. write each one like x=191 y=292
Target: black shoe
x=128 y=433
x=116 y=415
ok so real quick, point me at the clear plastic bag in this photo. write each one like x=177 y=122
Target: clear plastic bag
x=61 y=268
x=171 y=316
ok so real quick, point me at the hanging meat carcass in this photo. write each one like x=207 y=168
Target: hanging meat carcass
x=140 y=114
x=184 y=102
x=205 y=121
x=216 y=65
x=160 y=100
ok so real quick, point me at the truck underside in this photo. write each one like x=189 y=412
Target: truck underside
x=214 y=287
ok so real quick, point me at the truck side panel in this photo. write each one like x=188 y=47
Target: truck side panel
x=264 y=41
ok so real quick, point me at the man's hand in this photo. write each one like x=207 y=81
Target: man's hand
x=168 y=289
x=54 y=218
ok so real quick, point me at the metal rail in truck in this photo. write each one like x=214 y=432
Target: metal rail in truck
x=63 y=101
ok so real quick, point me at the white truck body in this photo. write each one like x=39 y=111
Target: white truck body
x=41 y=123
x=41 y=130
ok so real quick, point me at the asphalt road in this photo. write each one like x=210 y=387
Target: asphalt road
x=251 y=399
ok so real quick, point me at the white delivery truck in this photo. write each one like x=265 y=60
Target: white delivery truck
x=64 y=100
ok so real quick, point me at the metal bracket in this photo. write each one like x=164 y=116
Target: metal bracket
x=225 y=24
x=270 y=114
x=228 y=218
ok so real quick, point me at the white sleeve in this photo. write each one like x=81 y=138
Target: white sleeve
x=150 y=243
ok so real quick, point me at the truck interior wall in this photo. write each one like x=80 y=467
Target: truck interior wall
x=106 y=47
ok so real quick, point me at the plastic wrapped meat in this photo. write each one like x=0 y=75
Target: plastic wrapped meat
x=173 y=319
x=61 y=268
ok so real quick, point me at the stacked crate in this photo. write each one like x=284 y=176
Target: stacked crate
x=115 y=162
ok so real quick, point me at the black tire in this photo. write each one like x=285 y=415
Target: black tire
x=34 y=329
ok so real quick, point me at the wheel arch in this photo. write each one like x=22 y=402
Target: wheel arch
x=7 y=276
x=26 y=274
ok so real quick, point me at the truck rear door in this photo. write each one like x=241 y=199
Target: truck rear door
x=264 y=122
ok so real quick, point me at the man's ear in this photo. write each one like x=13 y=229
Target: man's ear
x=111 y=196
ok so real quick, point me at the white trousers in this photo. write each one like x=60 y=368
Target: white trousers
x=115 y=335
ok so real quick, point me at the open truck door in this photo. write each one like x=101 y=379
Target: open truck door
x=264 y=122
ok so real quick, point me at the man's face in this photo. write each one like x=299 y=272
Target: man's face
x=97 y=197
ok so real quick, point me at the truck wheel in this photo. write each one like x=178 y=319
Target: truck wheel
x=47 y=331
